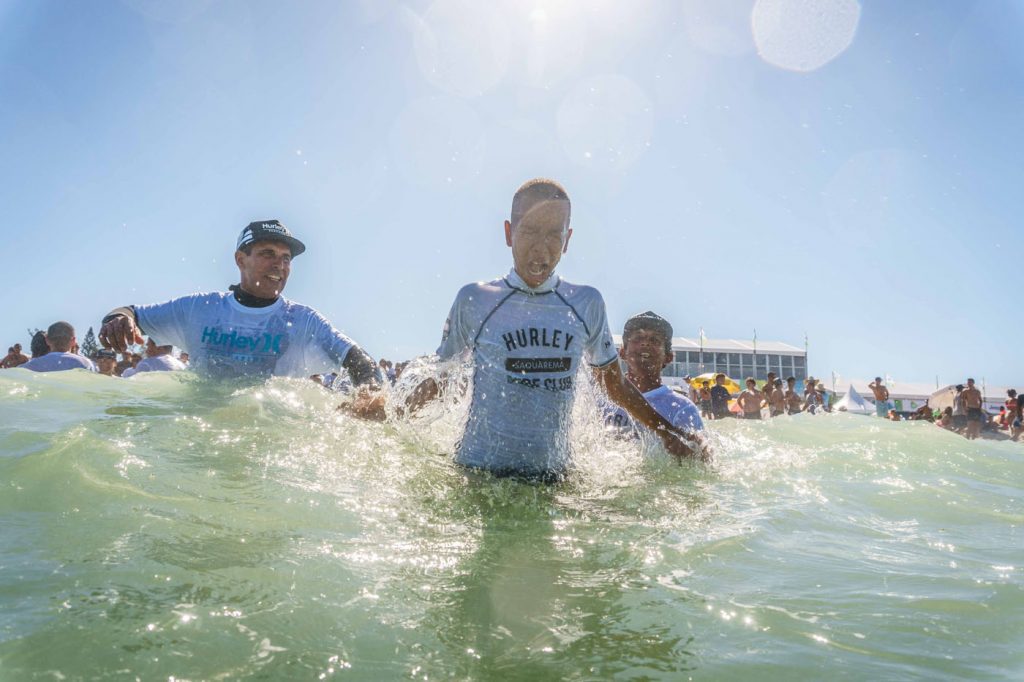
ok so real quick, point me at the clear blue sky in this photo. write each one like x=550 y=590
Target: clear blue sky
x=867 y=202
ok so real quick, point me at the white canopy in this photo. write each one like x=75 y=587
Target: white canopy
x=853 y=402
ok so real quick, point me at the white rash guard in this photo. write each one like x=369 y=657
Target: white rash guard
x=225 y=339
x=526 y=346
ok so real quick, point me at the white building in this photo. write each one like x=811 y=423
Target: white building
x=736 y=359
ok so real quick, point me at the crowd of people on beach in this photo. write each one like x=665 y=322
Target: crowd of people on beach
x=526 y=336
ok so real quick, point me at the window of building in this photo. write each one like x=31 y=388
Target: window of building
x=800 y=362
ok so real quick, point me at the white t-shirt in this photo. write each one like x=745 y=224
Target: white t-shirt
x=59 y=362
x=677 y=410
x=526 y=345
x=161 y=363
x=226 y=339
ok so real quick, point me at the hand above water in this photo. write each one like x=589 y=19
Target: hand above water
x=119 y=333
x=690 y=445
x=368 y=405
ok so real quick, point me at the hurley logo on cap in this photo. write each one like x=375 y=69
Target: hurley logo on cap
x=269 y=229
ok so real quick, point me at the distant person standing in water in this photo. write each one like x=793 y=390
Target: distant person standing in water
x=959 y=411
x=793 y=402
x=881 y=397
x=38 y=346
x=251 y=330
x=14 y=357
x=106 y=361
x=720 y=398
x=705 y=399
x=777 y=399
x=750 y=400
x=526 y=335
x=972 y=404
x=60 y=337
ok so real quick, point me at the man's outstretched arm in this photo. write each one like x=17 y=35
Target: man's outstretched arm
x=370 y=404
x=625 y=394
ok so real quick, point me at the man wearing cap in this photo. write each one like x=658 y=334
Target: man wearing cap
x=250 y=330
x=106 y=361
x=646 y=350
x=526 y=335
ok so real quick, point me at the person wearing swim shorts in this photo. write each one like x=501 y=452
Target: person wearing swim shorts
x=647 y=350
x=526 y=335
x=972 y=403
x=881 y=397
x=251 y=330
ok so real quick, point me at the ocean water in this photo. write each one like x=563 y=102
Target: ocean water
x=168 y=528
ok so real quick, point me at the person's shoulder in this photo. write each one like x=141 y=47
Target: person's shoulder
x=300 y=308
x=573 y=290
x=202 y=297
x=478 y=291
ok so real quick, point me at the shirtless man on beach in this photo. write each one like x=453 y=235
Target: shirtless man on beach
x=793 y=402
x=881 y=397
x=526 y=335
x=972 y=403
x=777 y=399
x=769 y=386
x=14 y=357
x=750 y=400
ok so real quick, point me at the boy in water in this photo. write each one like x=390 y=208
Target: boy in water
x=526 y=334
x=647 y=350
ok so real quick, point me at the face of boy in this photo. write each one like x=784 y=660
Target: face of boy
x=538 y=240
x=644 y=352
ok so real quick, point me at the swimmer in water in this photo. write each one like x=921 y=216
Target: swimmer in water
x=526 y=335
x=251 y=329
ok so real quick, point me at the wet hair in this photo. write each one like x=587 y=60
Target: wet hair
x=59 y=336
x=533 y=192
x=788 y=379
x=1012 y=393
x=650 y=321
x=39 y=346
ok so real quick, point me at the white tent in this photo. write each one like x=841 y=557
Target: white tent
x=942 y=398
x=853 y=402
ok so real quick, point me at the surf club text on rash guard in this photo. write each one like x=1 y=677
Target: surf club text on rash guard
x=226 y=339
x=526 y=346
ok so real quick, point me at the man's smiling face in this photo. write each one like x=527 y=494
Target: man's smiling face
x=264 y=270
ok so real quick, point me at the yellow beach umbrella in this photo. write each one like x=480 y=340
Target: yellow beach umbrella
x=730 y=385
